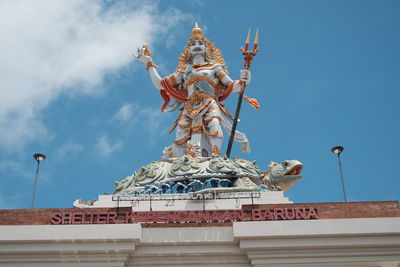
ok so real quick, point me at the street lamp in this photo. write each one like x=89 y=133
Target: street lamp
x=338 y=150
x=38 y=157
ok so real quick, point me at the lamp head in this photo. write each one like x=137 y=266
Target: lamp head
x=337 y=150
x=39 y=157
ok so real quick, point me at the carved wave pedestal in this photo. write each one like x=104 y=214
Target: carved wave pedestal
x=200 y=183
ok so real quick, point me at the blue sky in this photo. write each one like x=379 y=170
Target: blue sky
x=327 y=74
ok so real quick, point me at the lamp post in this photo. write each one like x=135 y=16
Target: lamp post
x=338 y=150
x=38 y=157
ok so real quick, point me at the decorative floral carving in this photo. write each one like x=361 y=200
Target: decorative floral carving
x=222 y=165
x=185 y=165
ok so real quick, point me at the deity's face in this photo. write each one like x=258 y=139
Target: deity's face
x=197 y=47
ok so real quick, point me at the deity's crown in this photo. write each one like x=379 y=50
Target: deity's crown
x=212 y=53
x=197 y=33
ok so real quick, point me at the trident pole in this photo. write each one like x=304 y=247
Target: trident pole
x=248 y=57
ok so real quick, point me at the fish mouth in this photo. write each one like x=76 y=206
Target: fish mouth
x=197 y=49
x=295 y=170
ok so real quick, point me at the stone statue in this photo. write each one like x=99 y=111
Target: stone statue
x=193 y=163
x=199 y=84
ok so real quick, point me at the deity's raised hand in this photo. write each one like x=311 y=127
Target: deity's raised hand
x=245 y=76
x=141 y=54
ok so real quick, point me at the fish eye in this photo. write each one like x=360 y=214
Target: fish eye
x=285 y=164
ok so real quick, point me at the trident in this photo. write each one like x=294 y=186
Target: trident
x=248 y=58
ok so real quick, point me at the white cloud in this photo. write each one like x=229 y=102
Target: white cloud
x=125 y=114
x=69 y=150
x=49 y=48
x=17 y=169
x=149 y=119
x=105 y=148
x=152 y=119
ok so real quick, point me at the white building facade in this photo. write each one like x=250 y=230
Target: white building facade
x=264 y=233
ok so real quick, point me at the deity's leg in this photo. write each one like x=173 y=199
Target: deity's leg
x=196 y=139
x=216 y=143
x=213 y=127
x=216 y=135
x=196 y=129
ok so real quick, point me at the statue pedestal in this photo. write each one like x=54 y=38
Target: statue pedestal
x=175 y=202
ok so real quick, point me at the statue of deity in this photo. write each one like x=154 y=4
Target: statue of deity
x=197 y=88
x=193 y=163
